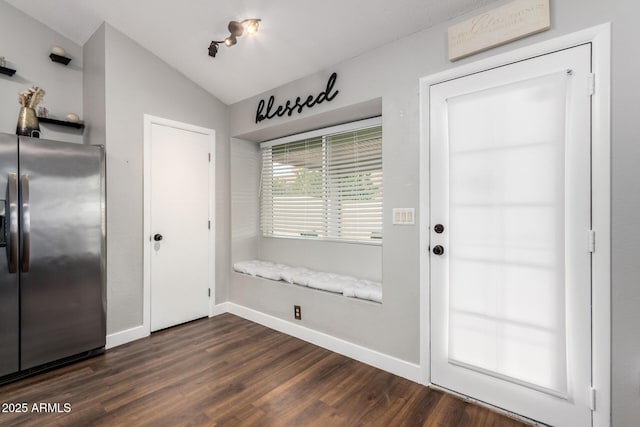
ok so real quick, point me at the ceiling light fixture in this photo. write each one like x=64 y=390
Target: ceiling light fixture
x=236 y=29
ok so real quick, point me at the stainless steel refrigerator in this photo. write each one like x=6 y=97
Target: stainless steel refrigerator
x=52 y=216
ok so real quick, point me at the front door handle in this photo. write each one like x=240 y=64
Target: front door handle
x=438 y=250
x=157 y=237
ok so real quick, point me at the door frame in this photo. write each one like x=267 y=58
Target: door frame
x=150 y=120
x=600 y=39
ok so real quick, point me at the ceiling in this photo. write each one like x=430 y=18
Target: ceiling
x=296 y=37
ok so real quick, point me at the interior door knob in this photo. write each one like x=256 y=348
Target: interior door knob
x=438 y=228
x=438 y=250
x=157 y=237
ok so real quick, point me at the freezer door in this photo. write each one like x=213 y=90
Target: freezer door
x=61 y=269
x=9 y=314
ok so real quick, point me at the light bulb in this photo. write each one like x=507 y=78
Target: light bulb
x=251 y=25
x=252 y=28
x=231 y=40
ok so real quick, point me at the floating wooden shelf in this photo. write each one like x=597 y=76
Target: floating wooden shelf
x=75 y=125
x=61 y=59
x=7 y=71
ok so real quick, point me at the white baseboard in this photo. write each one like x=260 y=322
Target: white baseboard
x=219 y=309
x=128 y=335
x=374 y=358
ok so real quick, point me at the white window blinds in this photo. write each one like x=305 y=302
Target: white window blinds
x=324 y=186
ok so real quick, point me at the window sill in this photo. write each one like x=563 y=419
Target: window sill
x=319 y=239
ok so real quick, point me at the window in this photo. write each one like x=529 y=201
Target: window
x=324 y=184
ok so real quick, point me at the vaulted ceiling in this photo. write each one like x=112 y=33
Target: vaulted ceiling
x=296 y=37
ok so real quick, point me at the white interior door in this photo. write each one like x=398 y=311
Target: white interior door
x=179 y=215
x=510 y=226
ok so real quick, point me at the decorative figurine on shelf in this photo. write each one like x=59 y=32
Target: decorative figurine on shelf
x=57 y=50
x=59 y=55
x=73 y=118
x=27 y=120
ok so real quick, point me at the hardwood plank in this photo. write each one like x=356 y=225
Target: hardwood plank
x=419 y=408
x=448 y=412
x=227 y=371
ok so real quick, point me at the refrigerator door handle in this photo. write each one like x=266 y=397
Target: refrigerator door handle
x=26 y=224
x=12 y=195
x=3 y=219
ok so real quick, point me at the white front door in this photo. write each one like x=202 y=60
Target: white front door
x=509 y=236
x=180 y=253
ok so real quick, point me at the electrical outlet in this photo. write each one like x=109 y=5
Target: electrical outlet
x=297 y=312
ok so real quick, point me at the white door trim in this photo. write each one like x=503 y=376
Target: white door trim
x=150 y=120
x=600 y=39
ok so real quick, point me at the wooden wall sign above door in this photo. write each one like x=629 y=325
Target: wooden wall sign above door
x=513 y=21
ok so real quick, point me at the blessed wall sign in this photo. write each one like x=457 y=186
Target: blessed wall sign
x=266 y=109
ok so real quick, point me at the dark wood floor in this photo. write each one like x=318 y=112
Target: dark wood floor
x=227 y=371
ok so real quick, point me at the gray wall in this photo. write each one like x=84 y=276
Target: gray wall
x=625 y=206
x=138 y=83
x=245 y=182
x=26 y=45
x=392 y=72
x=393 y=326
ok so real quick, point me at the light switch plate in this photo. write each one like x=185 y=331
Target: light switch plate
x=404 y=216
